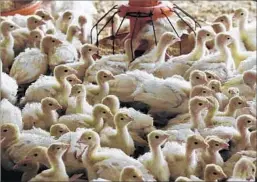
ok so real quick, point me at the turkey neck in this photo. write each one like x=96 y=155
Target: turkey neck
x=80 y=103
x=57 y=163
x=8 y=40
x=157 y=155
x=88 y=59
x=198 y=51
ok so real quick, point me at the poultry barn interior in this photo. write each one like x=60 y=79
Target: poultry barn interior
x=137 y=90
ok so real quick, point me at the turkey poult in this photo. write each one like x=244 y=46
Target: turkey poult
x=29 y=65
x=87 y=51
x=142 y=123
x=221 y=62
x=74 y=121
x=57 y=168
x=66 y=51
x=9 y=87
x=58 y=88
x=9 y=113
x=149 y=61
x=119 y=137
x=41 y=115
x=117 y=63
x=106 y=163
x=212 y=173
x=15 y=144
x=21 y=35
x=57 y=130
x=77 y=103
x=182 y=158
x=155 y=161
x=178 y=65
x=247 y=31
x=35 y=38
x=7 y=43
x=95 y=93
x=244 y=170
x=29 y=169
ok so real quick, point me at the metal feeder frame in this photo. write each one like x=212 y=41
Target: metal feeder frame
x=139 y=15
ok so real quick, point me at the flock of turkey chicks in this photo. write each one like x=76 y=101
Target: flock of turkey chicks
x=211 y=92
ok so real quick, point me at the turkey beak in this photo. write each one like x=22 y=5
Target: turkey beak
x=112 y=77
x=73 y=71
x=225 y=146
x=42 y=22
x=223 y=175
x=206 y=145
x=51 y=18
x=15 y=166
x=177 y=40
x=2 y=140
x=59 y=106
x=16 y=27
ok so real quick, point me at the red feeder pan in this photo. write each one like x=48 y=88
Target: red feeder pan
x=142 y=9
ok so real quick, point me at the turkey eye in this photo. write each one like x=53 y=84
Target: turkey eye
x=53 y=41
x=200 y=104
x=209 y=77
x=65 y=71
x=249 y=121
x=204 y=91
x=121 y=118
x=89 y=49
x=35 y=21
x=134 y=176
x=253 y=170
x=24 y=165
x=58 y=148
x=242 y=14
x=228 y=38
x=36 y=36
x=197 y=78
x=89 y=138
x=5 y=130
x=11 y=26
x=69 y=18
x=50 y=104
x=217 y=144
x=43 y=16
x=239 y=103
x=221 y=20
x=156 y=137
x=196 y=143
x=208 y=34
x=35 y=155
x=78 y=92
x=214 y=173
x=60 y=131
x=105 y=76
x=213 y=88
x=70 y=80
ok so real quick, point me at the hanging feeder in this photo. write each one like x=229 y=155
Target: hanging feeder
x=140 y=13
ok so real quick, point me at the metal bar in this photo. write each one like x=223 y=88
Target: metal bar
x=96 y=24
x=113 y=37
x=170 y=22
x=151 y=15
x=107 y=22
x=184 y=21
x=120 y=25
x=172 y=28
x=132 y=35
x=187 y=14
